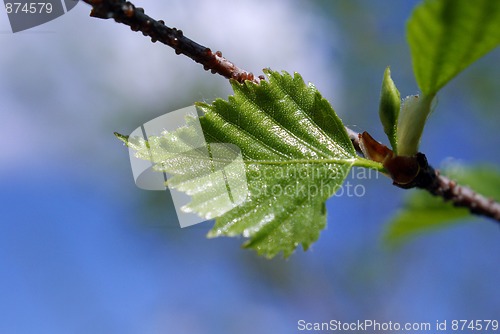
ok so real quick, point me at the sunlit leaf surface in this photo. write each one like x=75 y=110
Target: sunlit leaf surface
x=295 y=152
x=446 y=36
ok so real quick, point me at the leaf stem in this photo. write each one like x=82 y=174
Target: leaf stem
x=362 y=162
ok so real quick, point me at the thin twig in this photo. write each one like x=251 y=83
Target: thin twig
x=125 y=12
x=465 y=197
x=427 y=178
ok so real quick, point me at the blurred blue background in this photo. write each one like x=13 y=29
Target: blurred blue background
x=82 y=250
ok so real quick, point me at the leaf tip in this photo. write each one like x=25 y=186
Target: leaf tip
x=121 y=137
x=212 y=234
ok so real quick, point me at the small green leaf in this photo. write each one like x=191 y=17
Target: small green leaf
x=295 y=152
x=446 y=36
x=390 y=103
x=423 y=212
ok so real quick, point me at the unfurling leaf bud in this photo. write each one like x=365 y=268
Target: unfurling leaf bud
x=414 y=114
x=390 y=102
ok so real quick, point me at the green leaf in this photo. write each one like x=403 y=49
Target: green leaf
x=446 y=36
x=295 y=152
x=423 y=212
x=390 y=103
